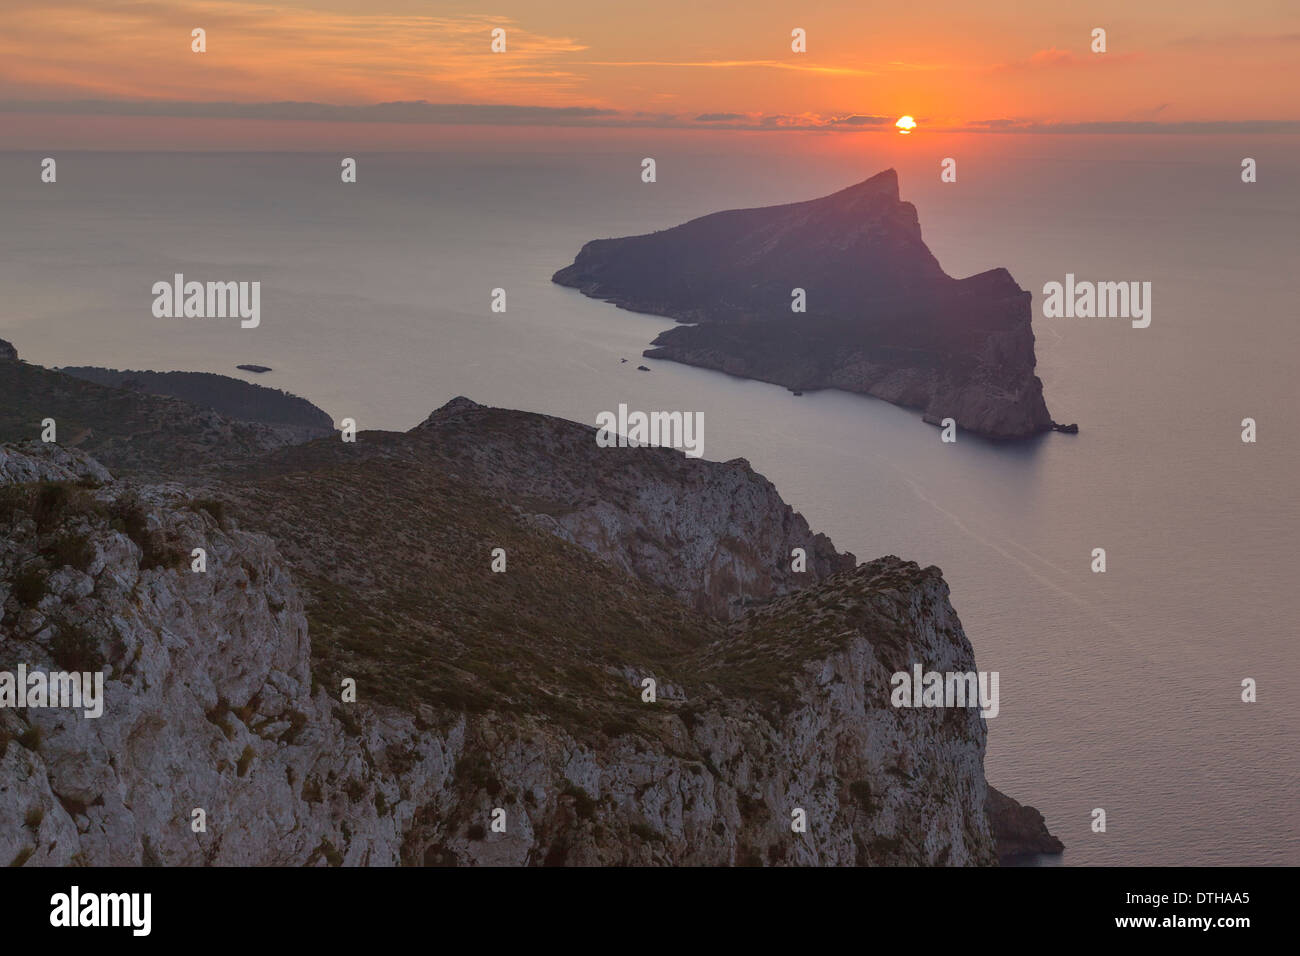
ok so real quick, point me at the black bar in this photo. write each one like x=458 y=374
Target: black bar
x=651 y=908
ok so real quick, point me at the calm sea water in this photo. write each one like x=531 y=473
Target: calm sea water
x=1119 y=690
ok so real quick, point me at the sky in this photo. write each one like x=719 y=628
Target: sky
x=115 y=72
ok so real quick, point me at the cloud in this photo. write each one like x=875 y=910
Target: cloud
x=1235 y=40
x=1054 y=58
x=997 y=123
x=732 y=65
x=859 y=120
x=1132 y=126
x=494 y=114
x=415 y=111
x=1190 y=126
x=140 y=49
x=1150 y=112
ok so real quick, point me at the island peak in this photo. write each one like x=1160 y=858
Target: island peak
x=837 y=292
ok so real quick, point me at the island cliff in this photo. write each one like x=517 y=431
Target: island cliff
x=476 y=690
x=882 y=317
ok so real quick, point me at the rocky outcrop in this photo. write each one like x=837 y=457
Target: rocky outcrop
x=217 y=700
x=1018 y=830
x=718 y=535
x=882 y=318
x=206 y=678
x=7 y=352
x=40 y=461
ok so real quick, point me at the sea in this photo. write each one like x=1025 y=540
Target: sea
x=1121 y=691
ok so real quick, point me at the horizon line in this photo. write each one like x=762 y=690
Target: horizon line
x=425 y=113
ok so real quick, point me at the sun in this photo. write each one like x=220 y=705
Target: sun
x=905 y=124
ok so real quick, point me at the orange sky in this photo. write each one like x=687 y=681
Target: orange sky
x=950 y=63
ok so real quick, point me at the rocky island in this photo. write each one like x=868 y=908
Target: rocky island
x=880 y=317
x=478 y=690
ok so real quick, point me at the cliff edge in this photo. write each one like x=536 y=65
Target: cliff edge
x=477 y=688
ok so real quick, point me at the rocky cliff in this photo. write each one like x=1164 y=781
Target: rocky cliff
x=210 y=704
x=476 y=690
x=882 y=317
x=718 y=536
x=1018 y=831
